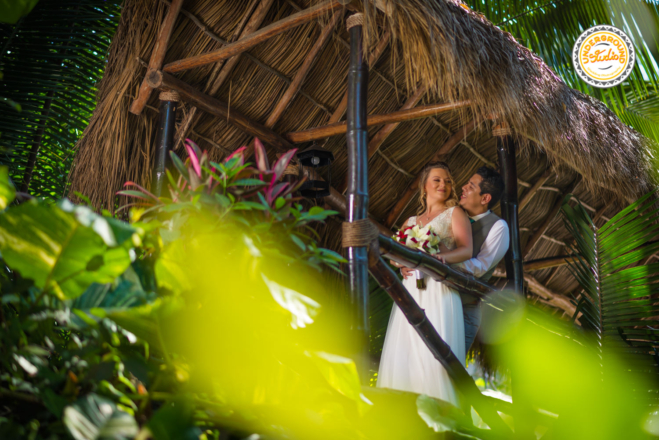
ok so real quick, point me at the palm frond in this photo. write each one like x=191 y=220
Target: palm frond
x=620 y=302
x=51 y=60
x=551 y=28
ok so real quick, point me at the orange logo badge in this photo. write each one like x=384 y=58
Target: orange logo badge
x=603 y=56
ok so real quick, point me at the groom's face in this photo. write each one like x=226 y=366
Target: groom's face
x=471 y=198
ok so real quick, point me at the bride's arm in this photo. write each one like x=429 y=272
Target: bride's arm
x=404 y=270
x=463 y=239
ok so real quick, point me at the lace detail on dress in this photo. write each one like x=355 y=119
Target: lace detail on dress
x=442 y=225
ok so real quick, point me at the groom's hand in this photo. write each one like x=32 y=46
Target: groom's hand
x=406 y=271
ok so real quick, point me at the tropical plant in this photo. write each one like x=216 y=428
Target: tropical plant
x=236 y=193
x=51 y=59
x=550 y=29
x=619 y=304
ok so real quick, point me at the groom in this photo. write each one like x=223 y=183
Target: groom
x=490 y=238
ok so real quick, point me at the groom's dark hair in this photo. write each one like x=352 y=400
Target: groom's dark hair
x=491 y=184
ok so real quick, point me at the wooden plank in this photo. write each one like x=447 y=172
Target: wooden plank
x=162 y=80
x=548 y=219
x=372 y=59
x=534 y=189
x=302 y=72
x=157 y=56
x=256 y=38
x=413 y=187
x=397 y=116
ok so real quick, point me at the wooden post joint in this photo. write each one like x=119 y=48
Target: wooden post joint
x=501 y=129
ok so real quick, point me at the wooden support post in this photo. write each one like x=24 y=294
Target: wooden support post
x=157 y=56
x=372 y=59
x=528 y=195
x=357 y=197
x=508 y=165
x=262 y=35
x=420 y=112
x=164 y=138
x=550 y=217
x=162 y=80
x=412 y=189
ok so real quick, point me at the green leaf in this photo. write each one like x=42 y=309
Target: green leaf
x=298 y=242
x=280 y=202
x=48 y=245
x=174 y=421
x=7 y=190
x=93 y=417
x=315 y=210
x=435 y=414
x=341 y=374
x=12 y=10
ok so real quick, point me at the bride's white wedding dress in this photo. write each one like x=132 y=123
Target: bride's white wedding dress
x=406 y=363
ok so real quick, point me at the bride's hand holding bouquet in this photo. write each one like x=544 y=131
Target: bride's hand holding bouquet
x=419 y=238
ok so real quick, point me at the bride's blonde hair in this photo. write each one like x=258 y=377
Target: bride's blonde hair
x=453 y=197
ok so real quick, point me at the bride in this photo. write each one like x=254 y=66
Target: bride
x=406 y=363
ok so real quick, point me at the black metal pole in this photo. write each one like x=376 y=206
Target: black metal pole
x=357 y=191
x=509 y=206
x=164 y=138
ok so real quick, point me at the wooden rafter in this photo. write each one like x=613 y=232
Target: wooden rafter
x=302 y=72
x=255 y=38
x=546 y=263
x=528 y=195
x=397 y=116
x=157 y=56
x=222 y=70
x=552 y=298
x=404 y=200
x=530 y=244
x=161 y=80
x=378 y=139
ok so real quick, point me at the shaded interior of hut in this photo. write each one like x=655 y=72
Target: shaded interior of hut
x=441 y=83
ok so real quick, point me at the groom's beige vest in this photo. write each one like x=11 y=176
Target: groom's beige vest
x=479 y=231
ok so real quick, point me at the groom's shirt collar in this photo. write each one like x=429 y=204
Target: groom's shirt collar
x=479 y=216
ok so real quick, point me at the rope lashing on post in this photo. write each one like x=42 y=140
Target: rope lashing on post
x=355 y=20
x=169 y=95
x=359 y=233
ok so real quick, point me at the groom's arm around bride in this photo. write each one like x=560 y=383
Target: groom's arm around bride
x=490 y=239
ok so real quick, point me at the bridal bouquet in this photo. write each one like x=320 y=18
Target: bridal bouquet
x=423 y=239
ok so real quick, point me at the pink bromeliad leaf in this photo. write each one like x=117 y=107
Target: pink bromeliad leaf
x=283 y=162
x=261 y=156
x=239 y=152
x=194 y=160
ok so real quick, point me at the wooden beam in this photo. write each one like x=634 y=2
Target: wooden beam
x=302 y=72
x=256 y=38
x=372 y=59
x=378 y=139
x=552 y=298
x=548 y=219
x=546 y=263
x=157 y=56
x=217 y=78
x=398 y=116
x=528 y=195
x=161 y=80
x=413 y=187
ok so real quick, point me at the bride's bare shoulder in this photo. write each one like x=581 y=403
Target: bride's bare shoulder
x=459 y=214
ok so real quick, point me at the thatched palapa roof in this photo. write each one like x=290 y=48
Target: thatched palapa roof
x=421 y=52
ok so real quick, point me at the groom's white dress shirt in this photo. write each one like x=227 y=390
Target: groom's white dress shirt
x=492 y=251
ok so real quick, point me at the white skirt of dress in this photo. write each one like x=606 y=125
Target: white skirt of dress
x=406 y=363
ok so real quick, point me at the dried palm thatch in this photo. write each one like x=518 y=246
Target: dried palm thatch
x=437 y=44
